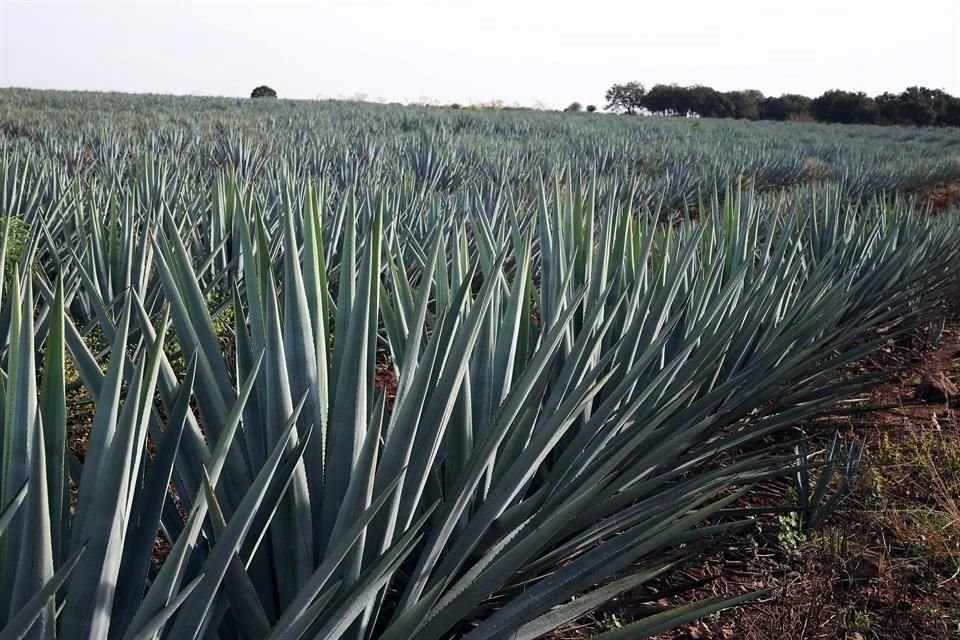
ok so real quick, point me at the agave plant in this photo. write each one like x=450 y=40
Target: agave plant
x=522 y=462
x=580 y=397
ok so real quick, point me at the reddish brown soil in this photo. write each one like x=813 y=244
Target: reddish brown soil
x=942 y=197
x=385 y=379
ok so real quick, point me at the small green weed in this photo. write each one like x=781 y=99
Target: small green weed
x=875 y=488
x=861 y=621
x=612 y=622
x=790 y=531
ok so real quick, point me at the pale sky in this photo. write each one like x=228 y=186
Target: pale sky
x=528 y=52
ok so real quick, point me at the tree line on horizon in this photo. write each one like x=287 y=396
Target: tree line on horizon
x=916 y=106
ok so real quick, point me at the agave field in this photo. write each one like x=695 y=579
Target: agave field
x=331 y=370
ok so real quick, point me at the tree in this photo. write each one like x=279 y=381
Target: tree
x=845 y=107
x=574 y=107
x=745 y=105
x=591 y=108
x=918 y=106
x=921 y=106
x=674 y=100
x=888 y=107
x=625 y=98
x=667 y=100
x=706 y=102
x=790 y=106
x=951 y=113
x=263 y=91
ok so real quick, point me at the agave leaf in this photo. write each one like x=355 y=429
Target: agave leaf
x=301 y=349
x=138 y=546
x=14 y=444
x=303 y=621
x=19 y=626
x=251 y=619
x=410 y=620
x=332 y=559
x=584 y=604
x=191 y=620
x=676 y=617
x=352 y=376
x=566 y=582
x=156 y=624
x=360 y=493
x=10 y=509
x=52 y=405
x=90 y=596
x=372 y=580
x=36 y=565
x=481 y=458
x=166 y=585
x=102 y=432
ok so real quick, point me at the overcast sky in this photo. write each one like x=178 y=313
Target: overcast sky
x=525 y=52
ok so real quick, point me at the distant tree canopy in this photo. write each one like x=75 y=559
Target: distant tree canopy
x=845 y=107
x=917 y=106
x=574 y=107
x=263 y=91
x=790 y=106
x=591 y=108
x=625 y=98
